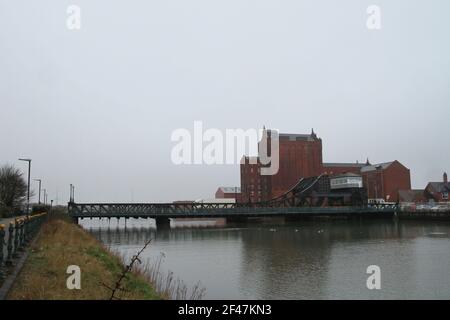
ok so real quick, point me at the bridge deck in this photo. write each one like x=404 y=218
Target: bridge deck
x=202 y=210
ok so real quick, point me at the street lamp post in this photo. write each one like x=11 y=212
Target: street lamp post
x=28 y=188
x=40 y=181
x=72 y=193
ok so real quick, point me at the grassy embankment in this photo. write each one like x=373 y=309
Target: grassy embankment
x=61 y=243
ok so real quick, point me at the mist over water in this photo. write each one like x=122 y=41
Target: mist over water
x=295 y=260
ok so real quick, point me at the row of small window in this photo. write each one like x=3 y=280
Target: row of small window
x=252 y=187
x=252 y=191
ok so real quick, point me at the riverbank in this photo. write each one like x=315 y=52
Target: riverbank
x=60 y=244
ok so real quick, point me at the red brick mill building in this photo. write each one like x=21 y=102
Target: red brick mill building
x=300 y=156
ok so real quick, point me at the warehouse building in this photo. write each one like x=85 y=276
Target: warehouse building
x=300 y=156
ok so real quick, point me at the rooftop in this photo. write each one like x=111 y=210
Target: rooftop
x=440 y=186
x=297 y=136
x=374 y=167
x=349 y=165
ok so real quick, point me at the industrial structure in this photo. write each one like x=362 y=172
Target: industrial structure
x=300 y=156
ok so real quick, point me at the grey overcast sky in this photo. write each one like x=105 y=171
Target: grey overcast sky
x=96 y=107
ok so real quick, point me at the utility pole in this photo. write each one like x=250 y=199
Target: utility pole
x=72 y=193
x=40 y=181
x=28 y=192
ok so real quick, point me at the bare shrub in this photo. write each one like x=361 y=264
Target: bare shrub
x=166 y=284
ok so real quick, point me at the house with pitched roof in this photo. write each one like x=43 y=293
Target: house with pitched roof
x=438 y=191
x=385 y=180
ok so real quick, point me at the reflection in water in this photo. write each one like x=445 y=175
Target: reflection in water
x=298 y=260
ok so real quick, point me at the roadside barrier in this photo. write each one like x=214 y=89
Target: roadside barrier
x=15 y=238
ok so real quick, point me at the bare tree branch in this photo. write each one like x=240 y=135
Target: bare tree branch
x=118 y=285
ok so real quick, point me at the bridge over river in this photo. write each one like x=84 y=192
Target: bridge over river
x=310 y=197
x=162 y=212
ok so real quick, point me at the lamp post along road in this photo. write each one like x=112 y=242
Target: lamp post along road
x=28 y=188
x=40 y=181
x=45 y=196
x=72 y=193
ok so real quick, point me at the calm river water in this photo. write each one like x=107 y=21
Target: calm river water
x=295 y=260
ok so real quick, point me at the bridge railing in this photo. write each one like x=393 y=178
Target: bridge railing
x=15 y=237
x=203 y=209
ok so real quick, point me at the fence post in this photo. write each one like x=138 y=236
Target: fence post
x=2 y=243
x=25 y=229
x=10 y=244
x=21 y=242
x=32 y=225
x=16 y=238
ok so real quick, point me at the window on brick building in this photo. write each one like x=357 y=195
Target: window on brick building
x=445 y=195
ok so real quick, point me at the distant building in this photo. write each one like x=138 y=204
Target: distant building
x=438 y=191
x=228 y=193
x=346 y=180
x=385 y=180
x=300 y=156
x=412 y=196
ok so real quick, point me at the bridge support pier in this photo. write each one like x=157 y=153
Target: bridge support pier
x=297 y=218
x=162 y=223
x=237 y=219
x=75 y=220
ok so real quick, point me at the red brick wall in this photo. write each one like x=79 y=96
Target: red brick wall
x=381 y=183
x=396 y=177
x=437 y=196
x=219 y=194
x=372 y=181
x=298 y=159
x=222 y=195
x=250 y=182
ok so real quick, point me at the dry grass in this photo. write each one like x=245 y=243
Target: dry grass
x=166 y=285
x=60 y=244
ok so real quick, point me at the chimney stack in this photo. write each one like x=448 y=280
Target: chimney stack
x=445 y=177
